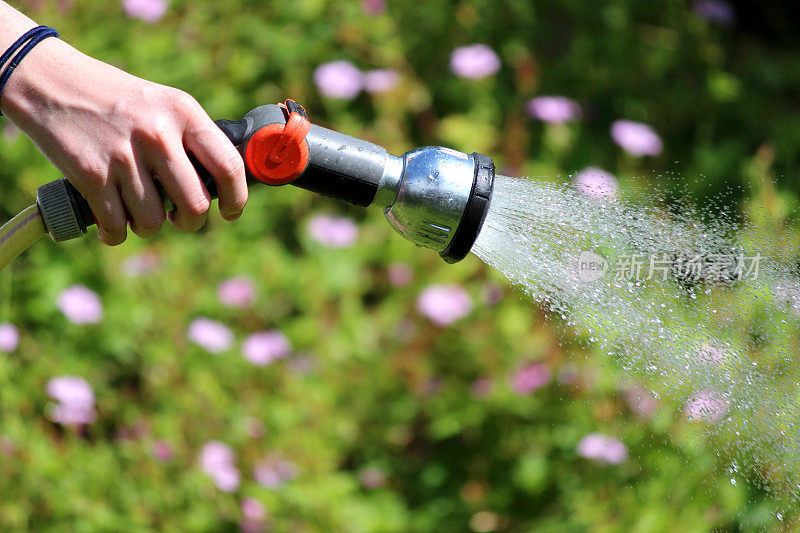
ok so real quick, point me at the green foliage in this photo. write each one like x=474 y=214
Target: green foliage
x=386 y=389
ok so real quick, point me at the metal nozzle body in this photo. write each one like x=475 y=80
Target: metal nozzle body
x=439 y=198
x=435 y=197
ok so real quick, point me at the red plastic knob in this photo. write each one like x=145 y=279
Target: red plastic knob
x=278 y=153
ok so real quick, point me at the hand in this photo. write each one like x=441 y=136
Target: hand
x=114 y=135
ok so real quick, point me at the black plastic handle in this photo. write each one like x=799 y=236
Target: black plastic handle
x=235 y=130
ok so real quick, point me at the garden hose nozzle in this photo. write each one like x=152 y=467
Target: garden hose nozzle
x=433 y=196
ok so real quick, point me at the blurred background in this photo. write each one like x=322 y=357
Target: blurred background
x=307 y=369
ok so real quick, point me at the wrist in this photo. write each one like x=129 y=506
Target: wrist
x=38 y=82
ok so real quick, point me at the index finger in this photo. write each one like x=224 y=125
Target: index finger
x=217 y=154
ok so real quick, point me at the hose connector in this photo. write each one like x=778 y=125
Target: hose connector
x=57 y=201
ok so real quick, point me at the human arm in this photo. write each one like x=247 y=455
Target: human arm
x=114 y=136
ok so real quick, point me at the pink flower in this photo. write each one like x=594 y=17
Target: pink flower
x=162 y=451
x=372 y=478
x=602 y=448
x=444 y=304
x=595 y=182
x=640 y=401
x=254 y=516
x=141 y=264
x=217 y=460
x=263 y=348
x=339 y=79
x=71 y=390
x=716 y=11
x=80 y=305
x=75 y=400
x=210 y=335
x=482 y=387
x=636 y=138
x=706 y=406
x=253 y=510
x=7 y=446
x=274 y=472
x=236 y=292
x=373 y=7
x=380 y=81
x=333 y=232
x=475 y=62
x=9 y=337
x=529 y=378
x=227 y=479
x=150 y=11
x=554 y=109
x=400 y=274
x=708 y=354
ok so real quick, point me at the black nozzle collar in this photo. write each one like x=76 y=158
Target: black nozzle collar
x=475 y=211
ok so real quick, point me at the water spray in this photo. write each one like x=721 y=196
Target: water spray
x=433 y=196
x=678 y=338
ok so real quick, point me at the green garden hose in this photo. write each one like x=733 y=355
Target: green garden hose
x=20 y=233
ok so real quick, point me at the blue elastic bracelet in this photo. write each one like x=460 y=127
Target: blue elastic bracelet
x=31 y=38
x=13 y=48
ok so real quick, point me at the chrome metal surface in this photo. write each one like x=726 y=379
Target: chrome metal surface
x=389 y=185
x=431 y=197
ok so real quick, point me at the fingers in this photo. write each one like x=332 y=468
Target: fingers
x=142 y=202
x=176 y=174
x=219 y=156
x=151 y=146
x=109 y=212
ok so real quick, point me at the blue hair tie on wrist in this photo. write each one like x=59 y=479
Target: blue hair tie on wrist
x=29 y=39
x=19 y=42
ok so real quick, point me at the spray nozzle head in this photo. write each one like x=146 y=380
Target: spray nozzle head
x=438 y=198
